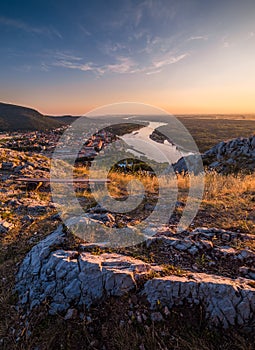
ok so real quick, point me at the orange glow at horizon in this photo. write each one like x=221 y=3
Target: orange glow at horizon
x=227 y=105
x=210 y=100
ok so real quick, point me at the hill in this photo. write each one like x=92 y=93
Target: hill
x=66 y=119
x=18 y=118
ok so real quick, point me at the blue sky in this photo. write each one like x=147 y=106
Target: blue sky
x=184 y=56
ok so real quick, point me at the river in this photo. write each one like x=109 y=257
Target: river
x=142 y=145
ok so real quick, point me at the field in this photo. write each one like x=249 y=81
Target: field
x=207 y=132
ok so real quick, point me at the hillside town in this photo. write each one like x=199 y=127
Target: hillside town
x=44 y=143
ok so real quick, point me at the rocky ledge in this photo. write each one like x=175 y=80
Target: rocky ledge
x=225 y=157
x=72 y=278
x=225 y=301
x=68 y=279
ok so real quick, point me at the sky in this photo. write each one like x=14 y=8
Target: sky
x=185 y=56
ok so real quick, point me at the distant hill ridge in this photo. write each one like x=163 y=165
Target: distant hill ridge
x=19 y=118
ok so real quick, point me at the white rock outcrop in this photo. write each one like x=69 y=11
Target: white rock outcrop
x=226 y=301
x=234 y=155
x=70 y=279
x=225 y=157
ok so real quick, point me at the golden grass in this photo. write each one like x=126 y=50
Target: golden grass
x=217 y=185
x=228 y=202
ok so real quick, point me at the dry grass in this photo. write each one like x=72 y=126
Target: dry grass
x=228 y=203
x=230 y=185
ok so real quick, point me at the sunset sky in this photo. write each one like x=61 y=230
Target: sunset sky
x=186 y=56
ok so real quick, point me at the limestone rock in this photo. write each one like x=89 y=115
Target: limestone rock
x=81 y=280
x=226 y=301
x=231 y=156
x=70 y=279
x=225 y=157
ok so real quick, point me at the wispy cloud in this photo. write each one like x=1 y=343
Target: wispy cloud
x=13 y=23
x=60 y=55
x=154 y=72
x=138 y=16
x=84 y=30
x=121 y=65
x=198 y=37
x=72 y=65
x=111 y=48
x=44 y=67
x=154 y=43
x=169 y=60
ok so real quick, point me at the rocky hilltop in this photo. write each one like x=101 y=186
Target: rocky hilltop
x=232 y=156
x=237 y=155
